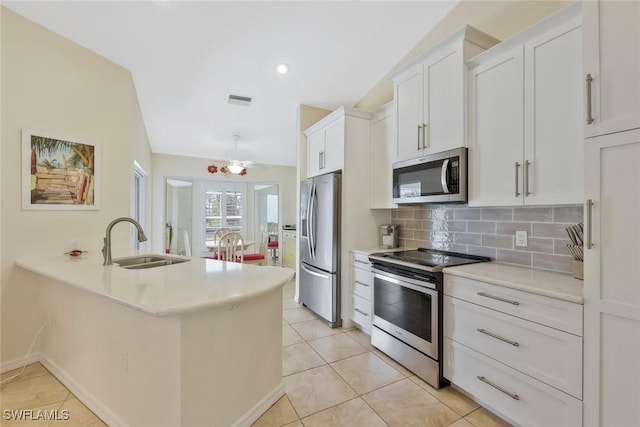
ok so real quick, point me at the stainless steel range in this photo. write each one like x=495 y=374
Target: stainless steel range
x=407 y=301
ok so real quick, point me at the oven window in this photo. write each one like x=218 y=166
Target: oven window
x=405 y=308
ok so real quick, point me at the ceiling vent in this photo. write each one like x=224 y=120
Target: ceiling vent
x=239 y=100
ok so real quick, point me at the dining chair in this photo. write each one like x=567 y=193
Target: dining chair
x=217 y=237
x=260 y=257
x=231 y=247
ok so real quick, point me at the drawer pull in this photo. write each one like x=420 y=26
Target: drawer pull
x=492 y=335
x=497 y=387
x=361 y=312
x=366 y=285
x=362 y=262
x=482 y=294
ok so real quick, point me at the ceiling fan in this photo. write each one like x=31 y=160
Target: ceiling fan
x=237 y=167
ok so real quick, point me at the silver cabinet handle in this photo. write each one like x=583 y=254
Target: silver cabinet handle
x=424 y=138
x=527 y=193
x=589 y=111
x=482 y=294
x=366 y=285
x=419 y=127
x=589 y=243
x=498 y=337
x=360 y=311
x=497 y=387
x=320 y=160
x=517 y=185
x=362 y=262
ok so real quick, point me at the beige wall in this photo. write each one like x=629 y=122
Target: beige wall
x=52 y=84
x=501 y=19
x=195 y=169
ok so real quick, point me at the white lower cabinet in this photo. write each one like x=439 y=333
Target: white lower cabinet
x=361 y=291
x=516 y=352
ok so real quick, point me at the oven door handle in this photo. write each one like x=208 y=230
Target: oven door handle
x=400 y=282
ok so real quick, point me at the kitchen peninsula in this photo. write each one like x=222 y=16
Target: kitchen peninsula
x=195 y=343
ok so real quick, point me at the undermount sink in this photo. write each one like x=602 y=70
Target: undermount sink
x=148 y=261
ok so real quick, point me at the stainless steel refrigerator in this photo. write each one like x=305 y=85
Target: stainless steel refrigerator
x=320 y=246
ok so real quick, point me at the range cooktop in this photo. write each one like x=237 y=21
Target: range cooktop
x=426 y=259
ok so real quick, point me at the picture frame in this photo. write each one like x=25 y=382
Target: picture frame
x=59 y=172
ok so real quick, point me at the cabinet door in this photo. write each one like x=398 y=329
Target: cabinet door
x=612 y=58
x=409 y=114
x=612 y=281
x=443 y=103
x=333 y=158
x=553 y=117
x=496 y=146
x=383 y=154
x=315 y=153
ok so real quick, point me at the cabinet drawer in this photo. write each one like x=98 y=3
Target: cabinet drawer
x=547 y=311
x=522 y=398
x=360 y=260
x=551 y=356
x=362 y=282
x=361 y=313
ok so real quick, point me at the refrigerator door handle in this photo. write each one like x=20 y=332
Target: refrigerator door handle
x=311 y=222
x=324 y=276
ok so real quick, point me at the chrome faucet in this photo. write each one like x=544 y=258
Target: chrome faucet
x=106 y=249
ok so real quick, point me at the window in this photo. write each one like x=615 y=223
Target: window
x=139 y=188
x=224 y=207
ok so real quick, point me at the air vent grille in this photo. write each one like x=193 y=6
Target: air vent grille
x=239 y=100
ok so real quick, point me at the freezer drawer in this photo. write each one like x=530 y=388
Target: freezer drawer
x=320 y=292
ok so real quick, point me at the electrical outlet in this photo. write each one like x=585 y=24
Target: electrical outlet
x=521 y=238
x=124 y=361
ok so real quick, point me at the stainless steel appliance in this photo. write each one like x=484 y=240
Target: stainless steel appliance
x=436 y=178
x=320 y=246
x=388 y=237
x=407 y=301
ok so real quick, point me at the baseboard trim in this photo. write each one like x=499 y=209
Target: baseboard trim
x=261 y=407
x=87 y=399
x=19 y=362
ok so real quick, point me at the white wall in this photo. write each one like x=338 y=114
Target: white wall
x=52 y=84
x=195 y=169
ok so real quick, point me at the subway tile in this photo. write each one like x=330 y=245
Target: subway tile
x=404 y=213
x=486 y=227
x=468 y=239
x=421 y=213
x=446 y=246
x=414 y=224
x=537 y=244
x=446 y=225
x=422 y=235
x=441 y=236
x=399 y=223
x=497 y=214
x=394 y=214
x=411 y=243
x=467 y=214
x=533 y=214
x=440 y=214
x=406 y=233
x=560 y=246
x=497 y=241
x=553 y=262
x=552 y=230
x=510 y=228
x=482 y=251
x=514 y=257
x=571 y=214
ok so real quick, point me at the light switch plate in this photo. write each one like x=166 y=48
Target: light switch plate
x=521 y=238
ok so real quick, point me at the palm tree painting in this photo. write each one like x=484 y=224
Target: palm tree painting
x=62 y=172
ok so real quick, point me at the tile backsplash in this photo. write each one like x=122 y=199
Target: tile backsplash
x=491 y=232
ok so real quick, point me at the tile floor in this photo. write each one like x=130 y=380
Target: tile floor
x=36 y=389
x=332 y=378
x=335 y=378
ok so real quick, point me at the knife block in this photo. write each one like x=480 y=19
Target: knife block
x=578 y=270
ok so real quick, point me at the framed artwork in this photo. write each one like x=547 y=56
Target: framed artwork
x=59 y=173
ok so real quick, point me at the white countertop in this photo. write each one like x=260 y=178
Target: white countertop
x=162 y=291
x=547 y=283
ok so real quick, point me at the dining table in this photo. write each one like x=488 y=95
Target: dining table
x=213 y=245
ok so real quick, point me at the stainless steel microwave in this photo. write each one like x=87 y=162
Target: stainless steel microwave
x=435 y=178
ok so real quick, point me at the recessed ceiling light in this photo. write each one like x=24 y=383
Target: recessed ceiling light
x=282 y=68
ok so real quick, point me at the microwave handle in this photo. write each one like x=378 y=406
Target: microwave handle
x=443 y=176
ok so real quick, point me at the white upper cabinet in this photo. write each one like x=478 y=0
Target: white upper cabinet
x=430 y=95
x=525 y=128
x=325 y=146
x=611 y=66
x=383 y=154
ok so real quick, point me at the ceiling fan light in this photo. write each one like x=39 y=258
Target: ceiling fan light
x=235 y=168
